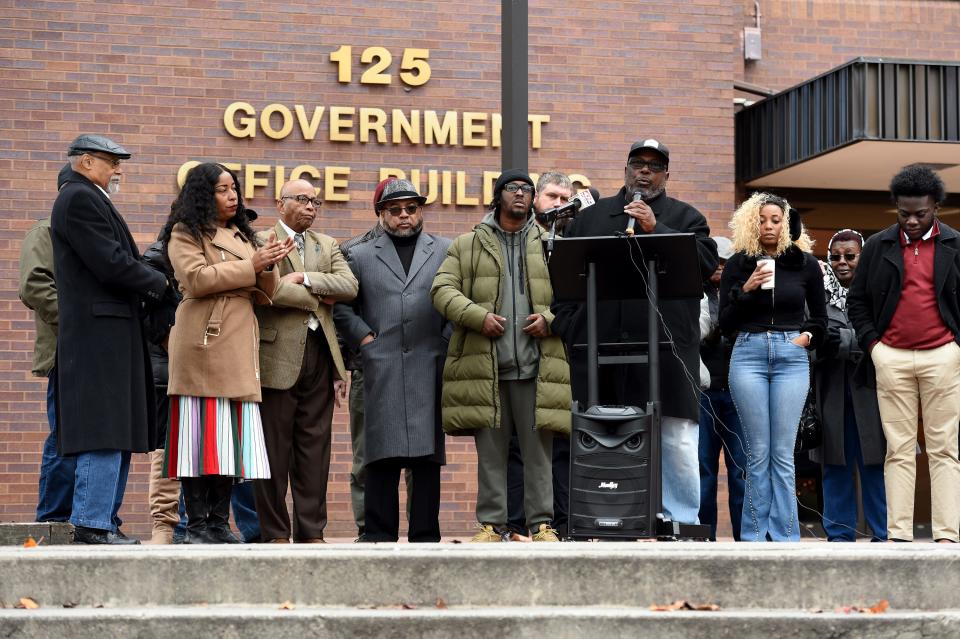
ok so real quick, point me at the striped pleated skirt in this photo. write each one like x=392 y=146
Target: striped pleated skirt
x=215 y=436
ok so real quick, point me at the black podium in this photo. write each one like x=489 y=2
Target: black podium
x=615 y=466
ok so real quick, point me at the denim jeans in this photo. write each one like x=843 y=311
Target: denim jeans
x=244 y=511
x=55 y=492
x=769 y=379
x=839 y=496
x=98 y=492
x=679 y=471
x=720 y=430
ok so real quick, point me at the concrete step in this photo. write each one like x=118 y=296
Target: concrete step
x=518 y=623
x=798 y=577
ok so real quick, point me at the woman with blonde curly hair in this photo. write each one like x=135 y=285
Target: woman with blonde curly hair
x=775 y=326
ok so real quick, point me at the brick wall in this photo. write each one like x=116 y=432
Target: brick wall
x=802 y=39
x=158 y=76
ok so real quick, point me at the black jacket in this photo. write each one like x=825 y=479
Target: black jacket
x=797 y=302
x=875 y=290
x=833 y=373
x=105 y=396
x=627 y=321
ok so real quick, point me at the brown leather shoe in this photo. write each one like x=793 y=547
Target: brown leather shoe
x=315 y=540
x=277 y=541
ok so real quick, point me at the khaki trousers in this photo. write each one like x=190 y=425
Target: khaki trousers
x=929 y=380
x=164 y=500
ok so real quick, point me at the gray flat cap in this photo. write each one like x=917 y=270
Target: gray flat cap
x=87 y=142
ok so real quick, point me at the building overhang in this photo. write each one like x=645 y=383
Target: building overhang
x=853 y=128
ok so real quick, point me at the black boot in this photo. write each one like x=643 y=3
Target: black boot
x=195 y=502
x=218 y=520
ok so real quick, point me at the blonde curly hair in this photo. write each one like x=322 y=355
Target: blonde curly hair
x=745 y=225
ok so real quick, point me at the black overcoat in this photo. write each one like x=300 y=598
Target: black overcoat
x=834 y=366
x=875 y=290
x=626 y=321
x=105 y=398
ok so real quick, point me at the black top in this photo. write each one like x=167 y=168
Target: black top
x=405 y=248
x=797 y=303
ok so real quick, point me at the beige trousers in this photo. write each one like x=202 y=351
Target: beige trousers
x=164 y=501
x=928 y=380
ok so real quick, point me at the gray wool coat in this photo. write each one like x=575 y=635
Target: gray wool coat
x=402 y=367
x=829 y=377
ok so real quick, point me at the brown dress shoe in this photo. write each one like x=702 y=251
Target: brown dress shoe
x=277 y=541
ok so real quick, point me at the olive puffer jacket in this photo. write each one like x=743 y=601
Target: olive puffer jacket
x=467 y=287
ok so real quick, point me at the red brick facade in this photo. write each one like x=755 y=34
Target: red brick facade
x=158 y=76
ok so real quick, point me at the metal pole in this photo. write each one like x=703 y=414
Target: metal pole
x=513 y=87
x=653 y=332
x=593 y=354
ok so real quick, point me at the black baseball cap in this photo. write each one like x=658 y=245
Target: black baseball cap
x=652 y=144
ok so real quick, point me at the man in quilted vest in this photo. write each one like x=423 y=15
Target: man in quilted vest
x=504 y=372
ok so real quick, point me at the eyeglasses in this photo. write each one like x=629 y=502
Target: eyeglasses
x=303 y=199
x=654 y=165
x=835 y=257
x=112 y=161
x=513 y=187
x=409 y=209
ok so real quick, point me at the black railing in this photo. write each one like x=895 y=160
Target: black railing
x=865 y=99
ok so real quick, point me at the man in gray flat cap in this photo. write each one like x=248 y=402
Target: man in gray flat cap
x=104 y=397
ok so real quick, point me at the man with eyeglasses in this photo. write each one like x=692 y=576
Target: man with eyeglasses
x=646 y=175
x=505 y=372
x=105 y=401
x=301 y=371
x=402 y=342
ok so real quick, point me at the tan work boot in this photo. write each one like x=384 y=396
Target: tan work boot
x=545 y=533
x=162 y=534
x=487 y=534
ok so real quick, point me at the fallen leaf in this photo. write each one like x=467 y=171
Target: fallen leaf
x=879 y=608
x=681 y=604
x=70 y=604
x=456 y=541
x=408 y=607
x=30 y=542
x=287 y=605
x=441 y=604
x=27 y=603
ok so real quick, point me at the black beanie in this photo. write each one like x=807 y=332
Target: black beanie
x=510 y=175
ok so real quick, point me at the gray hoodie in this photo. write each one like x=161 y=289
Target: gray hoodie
x=518 y=354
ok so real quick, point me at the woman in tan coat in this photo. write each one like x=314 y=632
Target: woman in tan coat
x=215 y=433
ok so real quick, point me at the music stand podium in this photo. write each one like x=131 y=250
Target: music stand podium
x=615 y=451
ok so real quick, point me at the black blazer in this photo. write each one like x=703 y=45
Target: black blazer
x=875 y=290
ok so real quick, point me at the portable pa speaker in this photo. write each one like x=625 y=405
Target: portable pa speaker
x=614 y=473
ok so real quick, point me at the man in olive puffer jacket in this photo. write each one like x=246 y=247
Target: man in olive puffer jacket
x=504 y=370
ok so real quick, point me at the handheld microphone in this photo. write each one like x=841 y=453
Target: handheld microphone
x=637 y=197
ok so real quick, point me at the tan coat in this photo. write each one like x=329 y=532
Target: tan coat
x=283 y=326
x=215 y=341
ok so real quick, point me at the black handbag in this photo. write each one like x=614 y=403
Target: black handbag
x=809 y=431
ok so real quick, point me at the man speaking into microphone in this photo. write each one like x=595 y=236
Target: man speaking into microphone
x=646 y=175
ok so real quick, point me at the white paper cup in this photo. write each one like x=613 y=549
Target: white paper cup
x=770 y=266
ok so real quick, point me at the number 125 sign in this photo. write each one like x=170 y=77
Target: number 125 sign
x=414 y=68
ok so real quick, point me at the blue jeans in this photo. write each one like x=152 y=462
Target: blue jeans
x=680 y=477
x=98 y=492
x=720 y=430
x=245 y=512
x=839 y=496
x=769 y=379
x=55 y=492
